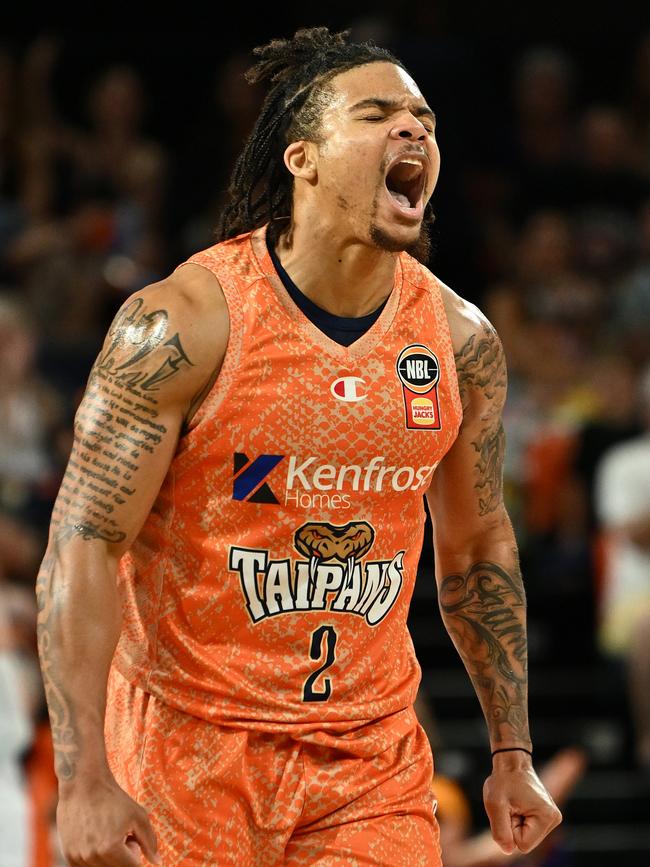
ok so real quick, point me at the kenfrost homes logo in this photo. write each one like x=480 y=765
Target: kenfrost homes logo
x=332 y=577
x=248 y=478
x=312 y=484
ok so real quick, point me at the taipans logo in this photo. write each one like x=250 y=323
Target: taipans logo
x=418 y=370
x=334 y=575
x=349 y=389
x=248 y=478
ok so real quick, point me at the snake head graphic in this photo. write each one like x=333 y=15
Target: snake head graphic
x=327 y=541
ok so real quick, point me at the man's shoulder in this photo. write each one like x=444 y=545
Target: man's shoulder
x=467 y=322
x=478 y=352
x=183 y=319
x=233 y=261
x=189 y=292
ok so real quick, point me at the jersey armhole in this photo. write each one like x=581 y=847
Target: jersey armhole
x=230 y=364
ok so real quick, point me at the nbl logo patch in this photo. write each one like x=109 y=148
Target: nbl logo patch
x=418 y=370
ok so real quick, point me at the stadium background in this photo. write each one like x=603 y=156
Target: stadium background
x=115 y=149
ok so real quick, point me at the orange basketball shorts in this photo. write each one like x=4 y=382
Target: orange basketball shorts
x=226 y=796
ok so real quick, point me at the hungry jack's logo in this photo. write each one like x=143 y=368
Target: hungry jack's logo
x=333 y=576
x=418 y=370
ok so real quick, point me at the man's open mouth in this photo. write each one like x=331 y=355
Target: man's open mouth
x=405 y=181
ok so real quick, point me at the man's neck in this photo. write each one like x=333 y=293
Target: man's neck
x=341 y=275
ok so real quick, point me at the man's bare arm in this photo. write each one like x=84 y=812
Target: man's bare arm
x=160 y=351
x=481 y=594
x=480 y=589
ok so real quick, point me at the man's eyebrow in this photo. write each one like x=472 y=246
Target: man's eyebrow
x=391 y=105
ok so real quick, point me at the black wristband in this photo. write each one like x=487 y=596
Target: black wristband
x=512 y=749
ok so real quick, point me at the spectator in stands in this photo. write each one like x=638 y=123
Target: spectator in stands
x=631 y=314
x=623 y=507
x=86 y=224
x=199 y=195
x=27 y=410
x=544 y=130
x=614 y=419
x=606 y=176
x=15 y=736
x=544 y=303
x=115 y=159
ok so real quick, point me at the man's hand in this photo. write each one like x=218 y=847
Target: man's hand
x=101 y=826
x=520 y=810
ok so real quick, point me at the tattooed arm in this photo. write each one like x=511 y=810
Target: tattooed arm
x=481 y=594
x=480 y=590
x=161 y=351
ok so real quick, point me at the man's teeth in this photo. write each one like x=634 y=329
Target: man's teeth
x=401 y=198
x=409 y=169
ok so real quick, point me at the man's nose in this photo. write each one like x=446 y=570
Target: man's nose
x=409 y=127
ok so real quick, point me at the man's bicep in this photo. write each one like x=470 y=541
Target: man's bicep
x=466 y=493
x=466 y=497
x=152 y=363
x=122 y=449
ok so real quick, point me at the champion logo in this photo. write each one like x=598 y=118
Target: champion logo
x=350 y=389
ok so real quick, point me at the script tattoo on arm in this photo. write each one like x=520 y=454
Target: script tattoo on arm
x=481 y=368
x=484 y=612
x=117 y=426
x=117 y=423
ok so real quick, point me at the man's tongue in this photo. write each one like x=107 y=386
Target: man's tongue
x=401 y=198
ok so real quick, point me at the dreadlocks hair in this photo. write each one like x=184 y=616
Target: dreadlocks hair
x=299 y=70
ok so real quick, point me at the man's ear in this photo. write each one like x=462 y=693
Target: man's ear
x=300 y=159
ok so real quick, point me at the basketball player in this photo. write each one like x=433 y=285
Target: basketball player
x=224 y=597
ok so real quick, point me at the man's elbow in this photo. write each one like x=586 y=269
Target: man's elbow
x=467 y=538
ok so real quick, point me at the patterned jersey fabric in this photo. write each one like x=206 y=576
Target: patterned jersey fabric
x=269 y=587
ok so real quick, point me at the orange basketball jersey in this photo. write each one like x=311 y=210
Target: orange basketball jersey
x=270 y=585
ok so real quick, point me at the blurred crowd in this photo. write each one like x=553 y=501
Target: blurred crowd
x=545 y=222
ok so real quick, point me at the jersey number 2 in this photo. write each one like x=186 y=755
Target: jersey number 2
x=316 y=652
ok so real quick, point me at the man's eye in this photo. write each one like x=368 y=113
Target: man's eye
x=374 y=117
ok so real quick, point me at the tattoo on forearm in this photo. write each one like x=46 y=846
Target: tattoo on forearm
x=484 y=611
x=65 y=736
